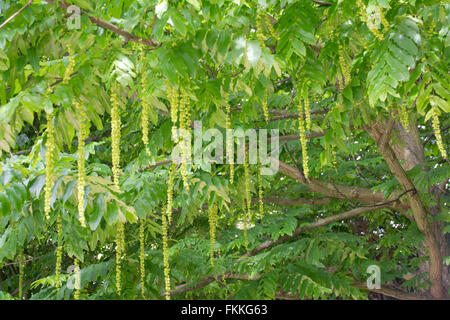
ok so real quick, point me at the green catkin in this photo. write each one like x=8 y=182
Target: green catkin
x=404 y=119
x=373 y=28
x=173 y=97
x=307 y=115
x=59 y=250
x=259 y=27
x=301 y=126
x=145 y=104
x=77 y=279
x=82 y=136
x=170 y=186
x=120 y=243
x=49 y=164
x=142 y=256
x=260 y=191
x=265 y=106
x=21 y=267
x=437 y=133
x=344 y=68
x=270 y=28
x=248 y=199
x=212 y=219
x=166 y=256
x=70 y=66
x=115 y=137
x=229 y=142
x=184 y=125
x=333 y=157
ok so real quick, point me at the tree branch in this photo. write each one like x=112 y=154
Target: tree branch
x=15 y=14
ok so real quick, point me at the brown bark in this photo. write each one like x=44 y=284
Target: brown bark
x=381 y=134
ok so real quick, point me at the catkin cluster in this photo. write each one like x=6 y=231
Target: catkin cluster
x=170 y=186
x=263 y=21
x=265 y=107
x=59 y=250
x=120 y=250
x=260 y=192
x=229 y=142
x=49 y=164
x=83 y=134
x=166 y=256
x=173 y=97
x=115 y=136
x=212 y=219
x=247 y=213
x=142 y=255
x=404 y=119
x=437 y=133
x=145 y=104
x=373 y=20
x=333 y=157
x=77 y=279
x=302 y=131
x=185 y=116
x=344 y=67
x=70 y=66
x=21 y=267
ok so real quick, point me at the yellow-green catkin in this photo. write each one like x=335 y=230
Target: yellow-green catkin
x=120 y=250
x=437 y=133
x=170 y=186
x=115 y=136
x=145 y=103
x=70 y=66
x=344 y=67
x=142 y=256
x=229 y=142
x=333 y=157
x=248 y=198
x=21 y=267
x=259 y=27
x=404 y=118
x=377 y=15
x=185 y=116
x=302 y=131
x=59 y=249
x=49 y=164
x=260 y=191
x=270 y=28
x=307 y=114
x=173 y=97
x=165 y=228
x=265 y=106
x=77 y=279
x=82 y=136
x=212 y=219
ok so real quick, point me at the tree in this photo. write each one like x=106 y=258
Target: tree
x=93 y=204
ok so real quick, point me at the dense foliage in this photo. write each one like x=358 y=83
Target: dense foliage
x=92 y=207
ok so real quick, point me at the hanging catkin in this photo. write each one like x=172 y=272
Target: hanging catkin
x=145 y=102
x=21 y=267
x=115 y=137
x=437 y=133
x=82 y=136
x=142 y=256
x=185 y=128
x=212 y=219
x=165 y=228
x=229 y=142
x=59 y=249
x=170 y=186
x=301 y=126
x=77 y=279
x=247 y=213
x=49 y=164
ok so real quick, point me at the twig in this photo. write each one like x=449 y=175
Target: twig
x=15 y=14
